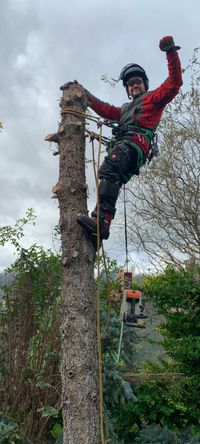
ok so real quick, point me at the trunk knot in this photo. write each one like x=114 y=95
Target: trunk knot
x=94 y=396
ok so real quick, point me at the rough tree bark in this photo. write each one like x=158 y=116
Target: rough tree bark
x=79 y=369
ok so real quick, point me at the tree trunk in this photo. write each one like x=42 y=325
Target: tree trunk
x=79 y=369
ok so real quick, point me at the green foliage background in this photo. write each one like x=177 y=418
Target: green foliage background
x=164 y=408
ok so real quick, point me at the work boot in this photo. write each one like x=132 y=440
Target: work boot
x=90 y=224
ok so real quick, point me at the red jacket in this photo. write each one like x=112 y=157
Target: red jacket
x=146 y=110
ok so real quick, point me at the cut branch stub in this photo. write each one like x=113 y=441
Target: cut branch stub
x=52 y=138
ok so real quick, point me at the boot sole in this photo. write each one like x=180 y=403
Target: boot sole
x=83 y=222
x=90 y=233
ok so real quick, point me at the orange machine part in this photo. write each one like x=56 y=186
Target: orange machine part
x=133 y=294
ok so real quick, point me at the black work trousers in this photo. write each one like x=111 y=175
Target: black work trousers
x=117 y=168
x=120 y=164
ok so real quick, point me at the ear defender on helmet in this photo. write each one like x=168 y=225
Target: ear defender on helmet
x=132 y=69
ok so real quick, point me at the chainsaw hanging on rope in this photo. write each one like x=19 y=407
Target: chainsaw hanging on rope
x=132 y=307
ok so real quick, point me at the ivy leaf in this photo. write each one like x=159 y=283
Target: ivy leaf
x=48 y=411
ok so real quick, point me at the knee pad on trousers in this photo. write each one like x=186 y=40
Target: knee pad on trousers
x=109 y=191
x=120 y=164
x=108 y=171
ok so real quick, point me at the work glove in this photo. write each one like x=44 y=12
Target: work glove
x=167 y=44
x=72 y=83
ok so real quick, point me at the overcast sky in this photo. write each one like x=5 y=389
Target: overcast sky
x=45 y=43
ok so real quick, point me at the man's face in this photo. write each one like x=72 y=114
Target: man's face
x=135 y=86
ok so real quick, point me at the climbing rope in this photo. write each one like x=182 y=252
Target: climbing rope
x=96 y=168
x=79 y=113
x=103 y=251
x=108 y=292
x=126 y=262
x=93 y=135
x=120 y=342
x=99 y=336
x=125 y=228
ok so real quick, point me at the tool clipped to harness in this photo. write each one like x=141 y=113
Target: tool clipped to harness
x=154 y=150
x=132 y=307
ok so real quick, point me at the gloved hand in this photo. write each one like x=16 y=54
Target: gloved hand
x=72 y=83
x=66 y=85
x=167 y=44
x=80 y=86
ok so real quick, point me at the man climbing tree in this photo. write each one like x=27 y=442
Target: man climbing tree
x=134 y=135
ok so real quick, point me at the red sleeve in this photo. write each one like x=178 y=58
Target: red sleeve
x=103 y=109
x=169 y=89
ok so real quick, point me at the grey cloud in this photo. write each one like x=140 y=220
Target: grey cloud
x=44 y=44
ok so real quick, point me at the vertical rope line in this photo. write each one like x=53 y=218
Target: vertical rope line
x=109 y=295
x=126 y=262
x=98 y=299
x=125 y=228
x=120 y=342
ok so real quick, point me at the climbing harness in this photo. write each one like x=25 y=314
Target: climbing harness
x=122 y=131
